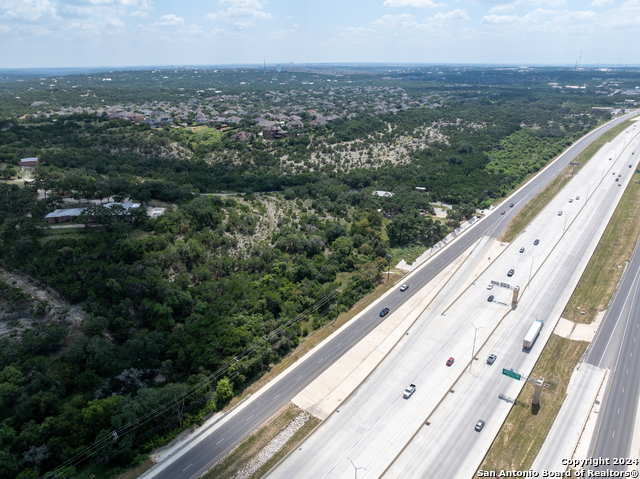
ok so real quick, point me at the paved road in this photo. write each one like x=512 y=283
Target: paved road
x=620 y=334
x=206 y=453
x=375 y=423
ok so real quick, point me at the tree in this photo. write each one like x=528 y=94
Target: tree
x=224 y=391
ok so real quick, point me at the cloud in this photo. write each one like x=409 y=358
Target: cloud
x=498 y=19
x=412 y=3
x=139 y=13
x=170 y=21
x=30 y=10
x=550 y=3
x=243 y=13
x=601 y=3
x=283 y=33
x=456 y=15
x=503 y=8
x=404 y=21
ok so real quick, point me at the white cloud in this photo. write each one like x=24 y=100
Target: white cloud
x=601 y=3
x=170 y=21
x=31 y=10
x=404 y=21
x=139 y=13
x=412 y=3
x=550 y=3
x=499 y=19
x=503 y=8
x=456 y=15
x=243 y=13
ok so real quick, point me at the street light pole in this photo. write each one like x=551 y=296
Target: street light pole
x=473 y=350
x=356 y=468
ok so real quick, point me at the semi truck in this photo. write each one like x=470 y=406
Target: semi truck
x=532 y=334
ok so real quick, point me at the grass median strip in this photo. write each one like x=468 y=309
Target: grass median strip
x=542 y=199
x=526 y=428
x=602 y=274
x=267 y=445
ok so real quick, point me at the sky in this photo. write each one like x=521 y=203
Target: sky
x=92 y=33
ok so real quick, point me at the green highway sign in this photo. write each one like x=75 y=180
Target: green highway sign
x=511 y=374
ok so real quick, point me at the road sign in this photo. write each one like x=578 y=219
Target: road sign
x=511 y=374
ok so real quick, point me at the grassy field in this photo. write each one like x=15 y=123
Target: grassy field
x=250 y=447
x=537 y=203
x=526 y=428
x=600 y=278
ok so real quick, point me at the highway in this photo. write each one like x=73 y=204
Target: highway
x=617 y=343
x=372 y=427
x=232 y=430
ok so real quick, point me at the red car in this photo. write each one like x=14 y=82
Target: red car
x=450 y=362
x=502 y=212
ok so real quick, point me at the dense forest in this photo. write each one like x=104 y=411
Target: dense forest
x=184 y=310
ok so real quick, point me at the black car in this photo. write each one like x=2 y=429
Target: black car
x=522 y=250
x=384 y=312
x=511 y=205
x=536 y=242
x=511 y=272
x=490 y=299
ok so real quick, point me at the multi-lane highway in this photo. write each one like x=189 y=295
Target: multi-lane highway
x=195 y=460
x=373 y=426
x=617 y=347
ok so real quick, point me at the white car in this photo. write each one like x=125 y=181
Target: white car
x=571 y=200
x=409 y=391
x=559 y=213
x=404 y=287
x=490 y=286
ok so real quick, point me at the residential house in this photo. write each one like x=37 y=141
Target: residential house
x=29 y=162
x=166 y=119
x=241 y=136
x=295 y=124
x=201 y=118
x=274 y=133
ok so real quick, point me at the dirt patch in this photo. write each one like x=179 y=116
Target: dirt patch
x=254 y=456
x=38 y=304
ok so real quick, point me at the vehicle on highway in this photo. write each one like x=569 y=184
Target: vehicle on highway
x=404 y=287
x=570 y=200
x=614 y=173
x=560 y=213
x=384 y=312
x=409 y=391
x=490 y=299
x=450 y=362
x=511 y=272
x=532 y=334
x=617 y=179
x=502 y=212
x=511 y=205
x=479 y=425
x=619 y=175
x=536 y=242
x=577 y=197
x=492 y=358
x=490 y=286
x=522 y=250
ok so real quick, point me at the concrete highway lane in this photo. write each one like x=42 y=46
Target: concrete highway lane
x=615 y=431
x=197 y=459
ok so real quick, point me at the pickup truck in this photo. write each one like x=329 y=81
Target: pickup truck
x=409 y=391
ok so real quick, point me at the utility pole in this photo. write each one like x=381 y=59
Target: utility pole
x=356 y=468
x=473 y=350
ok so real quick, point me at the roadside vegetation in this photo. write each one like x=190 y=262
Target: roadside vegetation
x=247 y=451
x=526 y=427
x=538 y=202
x=600 y=279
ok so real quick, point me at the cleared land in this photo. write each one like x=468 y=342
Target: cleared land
x=601 y=277
x=526 y=427
x=241 y=456
x=538 y=202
